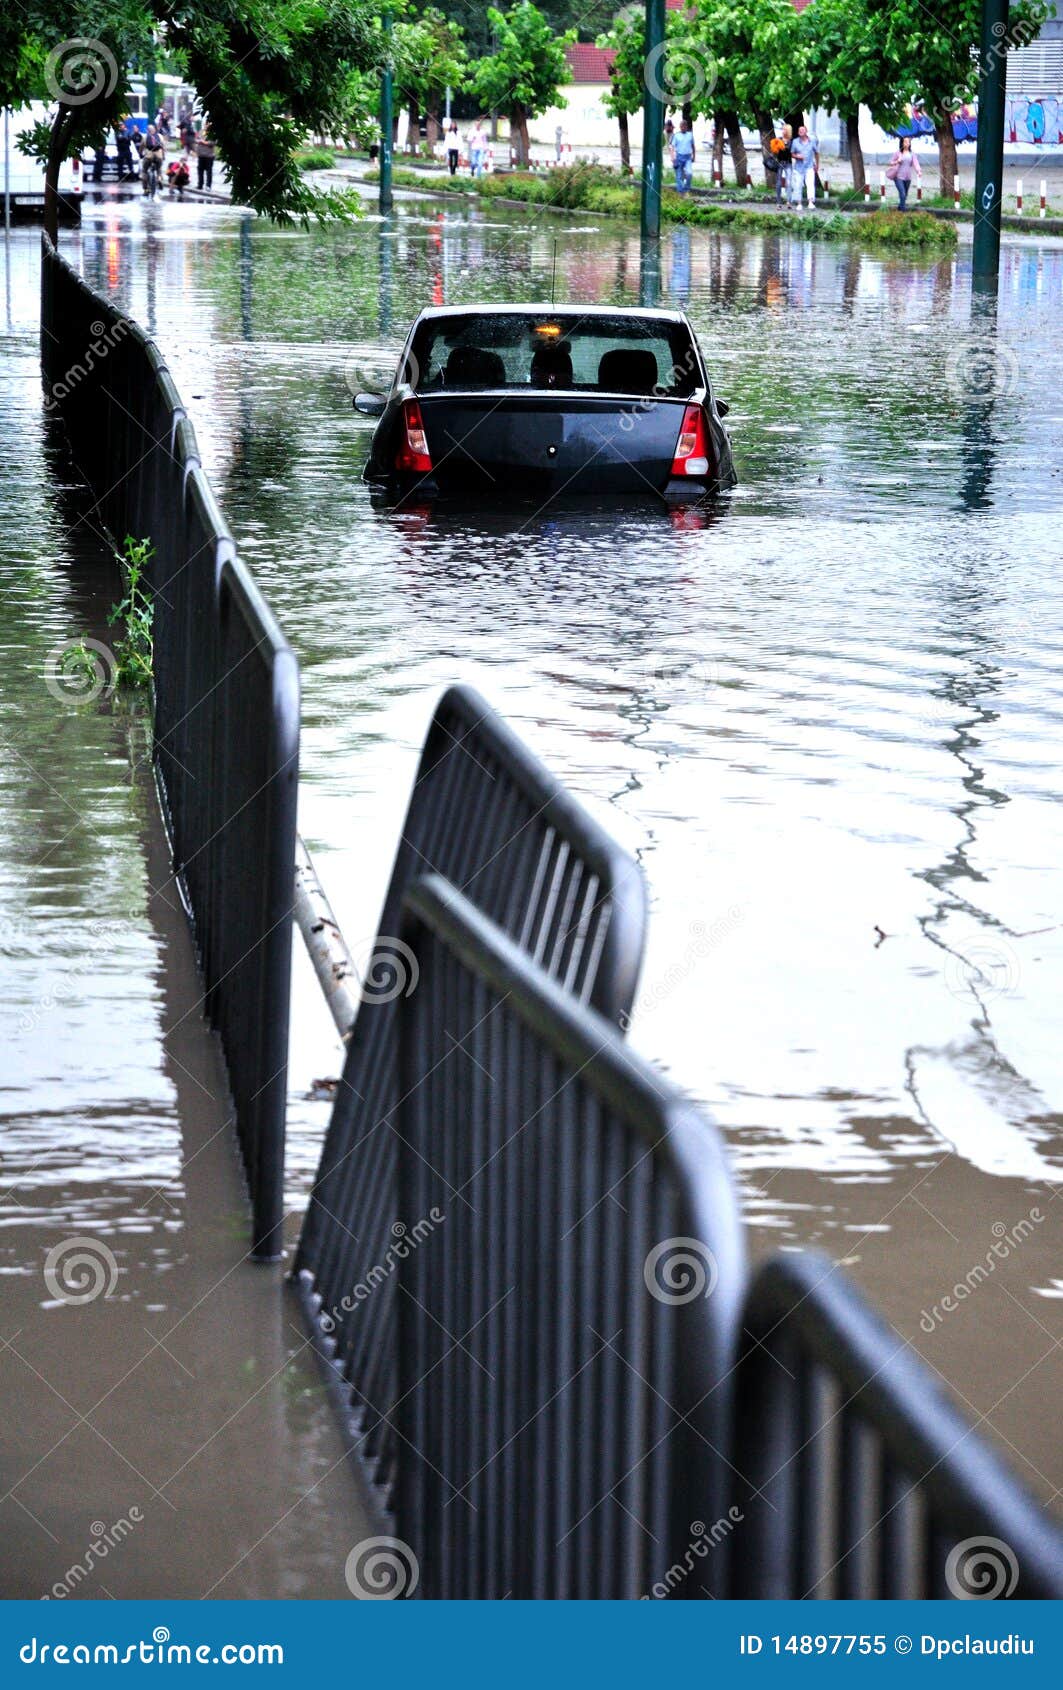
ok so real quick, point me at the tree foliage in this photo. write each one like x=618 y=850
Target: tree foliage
x=522 y=76
x=270 y=73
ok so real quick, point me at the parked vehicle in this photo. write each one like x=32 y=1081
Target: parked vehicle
x=540 y=401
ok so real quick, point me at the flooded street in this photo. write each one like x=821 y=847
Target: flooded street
x=825 y=716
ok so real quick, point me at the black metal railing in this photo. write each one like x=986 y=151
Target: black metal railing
x=226 y=700
x=862 y=1479
x=485 y=813
x=567 y=1328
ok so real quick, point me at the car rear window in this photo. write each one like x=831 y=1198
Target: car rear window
x=591 y=354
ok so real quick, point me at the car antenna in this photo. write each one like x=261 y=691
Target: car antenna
x=553 y=271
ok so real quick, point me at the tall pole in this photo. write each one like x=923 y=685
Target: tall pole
x=385 y=124
x=989 y=167
x=149 y=89
x=652 y=123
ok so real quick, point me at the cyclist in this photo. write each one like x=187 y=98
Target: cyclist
x=151 y=157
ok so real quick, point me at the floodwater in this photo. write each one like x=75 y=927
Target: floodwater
x=824 y=715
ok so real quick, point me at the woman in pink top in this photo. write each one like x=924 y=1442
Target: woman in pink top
x=904 y=168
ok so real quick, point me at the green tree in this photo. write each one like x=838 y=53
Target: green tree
x=522 y=76
x=937 y=44
x=843 y=60
x=271 y=73
x=626 y=38
x=748 y=56
x=430 y=57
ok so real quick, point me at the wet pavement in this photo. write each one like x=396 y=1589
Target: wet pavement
x=165 y=1429
x=824 y=715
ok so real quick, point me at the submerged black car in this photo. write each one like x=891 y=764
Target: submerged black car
x=538 y=401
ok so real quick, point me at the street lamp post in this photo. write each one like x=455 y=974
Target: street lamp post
x=385 y=124
x=652 y=123
x=989 y=166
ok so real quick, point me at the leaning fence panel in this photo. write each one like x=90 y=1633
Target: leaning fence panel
x=487 y=815
x=860 y=1478
x=226 y=699
x=569 y=1285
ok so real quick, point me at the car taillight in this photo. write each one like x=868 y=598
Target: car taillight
x=692 y=447
x=413 y=453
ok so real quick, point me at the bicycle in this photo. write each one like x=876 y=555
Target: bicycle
x=152 y=175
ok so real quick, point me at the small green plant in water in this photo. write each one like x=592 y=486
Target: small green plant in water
x=135 y=651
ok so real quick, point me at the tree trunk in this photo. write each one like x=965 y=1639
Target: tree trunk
x=766 y=130
x=413 y=133
x=518 y=126
x=738 y=148
x=625 y=144
x=946 y=141
x=56 y=155
x=717 y=147
x=434 y=126
x=856 y=151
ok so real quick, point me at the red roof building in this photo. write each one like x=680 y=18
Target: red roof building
x=587 y=63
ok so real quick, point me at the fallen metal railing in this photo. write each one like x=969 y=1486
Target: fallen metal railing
x=487 y=814
x=862 y=1479
x=568 y=1323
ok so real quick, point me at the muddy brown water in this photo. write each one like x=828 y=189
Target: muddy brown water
x=825 y=717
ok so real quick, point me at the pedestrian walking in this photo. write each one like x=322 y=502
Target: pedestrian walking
x=453 y=148
x=804 y=163
x=186 y=128
x=477 y=148
x=903 y=169
x=205 y=153
x=683 y=156
x=778 y=159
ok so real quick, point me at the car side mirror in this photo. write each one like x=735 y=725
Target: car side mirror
x=369 y=404
x=722 y=407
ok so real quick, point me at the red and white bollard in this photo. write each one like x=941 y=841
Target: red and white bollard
x=956 y=193
x=867 y=192
x=1044 y=199
x=749 y=180
x=1018 y=197
x=919 y=193
x=882 y=187
x=717 y=175
x=489 y=160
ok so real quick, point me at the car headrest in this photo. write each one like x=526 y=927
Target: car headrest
x=474 y=366
x=551 y=366
x=627 y=369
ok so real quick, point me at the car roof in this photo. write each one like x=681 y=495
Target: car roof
x=537 y=308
